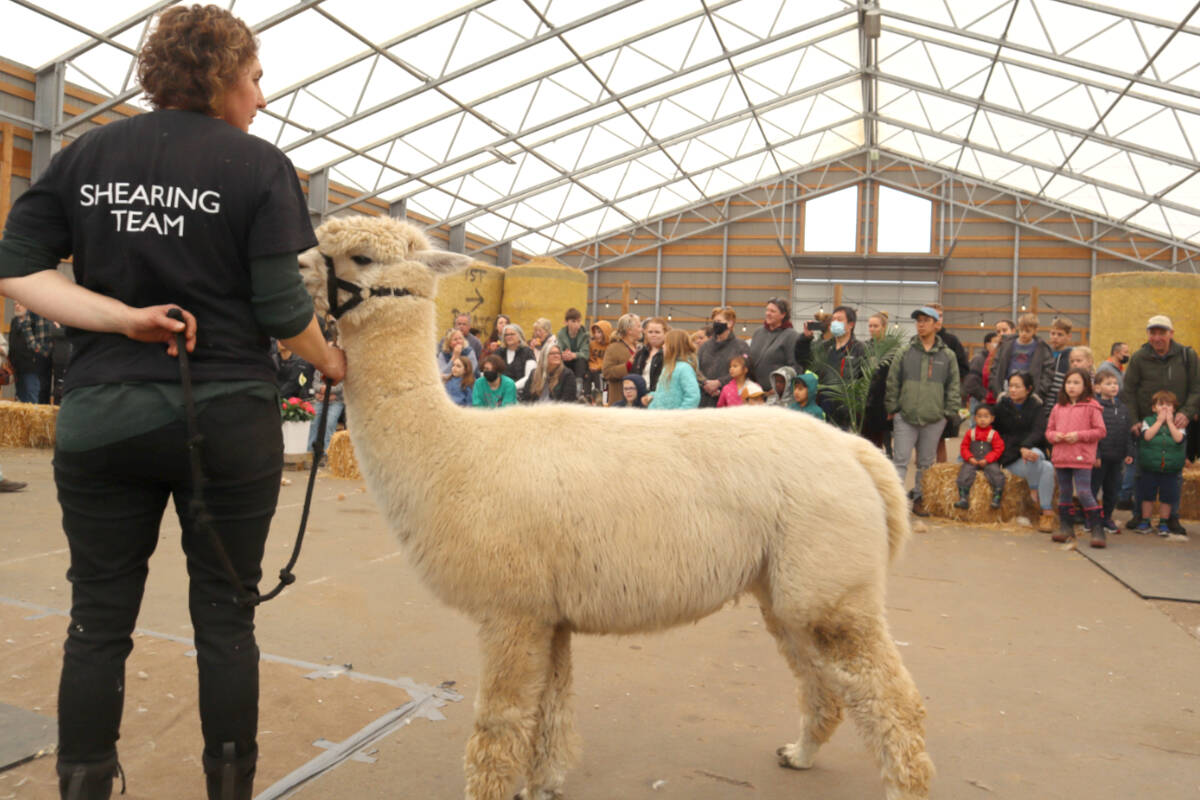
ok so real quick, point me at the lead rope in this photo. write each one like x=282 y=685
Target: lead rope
x=198 y=509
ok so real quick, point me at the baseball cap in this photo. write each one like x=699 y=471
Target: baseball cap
x=1160 y=321
x=927 y=311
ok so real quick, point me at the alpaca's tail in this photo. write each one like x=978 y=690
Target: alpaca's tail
x=891 y=493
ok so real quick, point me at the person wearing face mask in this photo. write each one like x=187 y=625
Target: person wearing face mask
x=715 y=353
x=1118 y=357
x=494 y=389
x=838 y=357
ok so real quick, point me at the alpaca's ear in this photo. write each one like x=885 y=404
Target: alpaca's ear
x=311 y=259
x=442 y=262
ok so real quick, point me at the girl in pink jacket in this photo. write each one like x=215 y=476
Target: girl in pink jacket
x=1075 y=429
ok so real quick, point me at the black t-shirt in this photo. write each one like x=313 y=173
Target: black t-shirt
x=168 y=207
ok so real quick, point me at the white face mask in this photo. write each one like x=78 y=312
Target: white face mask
x=837 y=327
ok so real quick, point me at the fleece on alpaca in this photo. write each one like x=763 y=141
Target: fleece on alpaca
x=801 y=515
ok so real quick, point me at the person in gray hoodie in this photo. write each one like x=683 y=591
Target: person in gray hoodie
x=715 y=354
x=778 y=392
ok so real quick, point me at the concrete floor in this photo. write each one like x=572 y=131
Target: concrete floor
x=1043 y=676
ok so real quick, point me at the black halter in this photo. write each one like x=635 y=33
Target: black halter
x=334 y=284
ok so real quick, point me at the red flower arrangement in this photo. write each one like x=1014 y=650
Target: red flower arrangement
x=296 y=410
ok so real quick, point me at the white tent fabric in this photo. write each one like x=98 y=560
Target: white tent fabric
x=550 y=123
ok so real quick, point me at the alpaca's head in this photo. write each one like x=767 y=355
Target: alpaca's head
x=374 y=253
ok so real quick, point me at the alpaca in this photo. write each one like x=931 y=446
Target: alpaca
x=773 y=520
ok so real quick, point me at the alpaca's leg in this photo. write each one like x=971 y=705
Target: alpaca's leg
x=555 y=743
x=820 y=707
x=880 y=694
x=516 y=657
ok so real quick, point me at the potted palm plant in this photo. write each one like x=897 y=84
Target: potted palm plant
x=853 y=389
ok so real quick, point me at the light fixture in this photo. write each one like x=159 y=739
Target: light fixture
x=668 y=317
x=635 y=301
x=1022 y=308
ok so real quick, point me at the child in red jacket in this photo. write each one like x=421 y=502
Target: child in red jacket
x=981 y=451
x=1075 y=429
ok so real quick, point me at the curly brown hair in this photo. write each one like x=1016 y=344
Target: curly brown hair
x=194 y=54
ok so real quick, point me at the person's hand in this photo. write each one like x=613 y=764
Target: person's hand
x=334 y=368
x=151 y=324
x=568 y=355
x=646 y=399
x=1136 y=428
x=458 y=348
x=1128 y=460
x=1181 y=421
x=1028 y=454
x=1070 y=438
x=713 y=387
x=1097 y=464
x=1163 y=414
x=891 y=415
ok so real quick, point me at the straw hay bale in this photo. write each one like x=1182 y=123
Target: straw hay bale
x=27 y=424
x=941 y=493
x=342 y=462
x=1189 y=502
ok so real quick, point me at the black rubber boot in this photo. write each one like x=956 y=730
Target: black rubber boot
x=1095 y=523
x=963 y=502
x=230 y=777
x=88 y=781
x=1066 y=526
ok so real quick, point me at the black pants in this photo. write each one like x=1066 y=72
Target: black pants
x=113 y=499
x=1107 y=478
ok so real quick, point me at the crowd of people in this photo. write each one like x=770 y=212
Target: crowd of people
x=1107 y=436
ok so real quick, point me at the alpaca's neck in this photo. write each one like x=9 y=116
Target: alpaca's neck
x=397 y=407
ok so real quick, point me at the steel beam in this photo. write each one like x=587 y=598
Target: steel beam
x=318 y=196
x=49 y=85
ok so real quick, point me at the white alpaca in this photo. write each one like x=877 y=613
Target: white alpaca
x=759 y=500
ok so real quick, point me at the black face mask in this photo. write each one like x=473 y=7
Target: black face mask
x=718 y=328
x=490 y=375
x=1123 y=359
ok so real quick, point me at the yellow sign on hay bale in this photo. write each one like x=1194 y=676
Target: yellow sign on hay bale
x=940 y=491
x=1122 y=302
x=543 y=287
x=342 y=462
x=1189 y=503
x=27 y=424
x=476 y=291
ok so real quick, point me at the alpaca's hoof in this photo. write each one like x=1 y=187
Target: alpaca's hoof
x=793 y=756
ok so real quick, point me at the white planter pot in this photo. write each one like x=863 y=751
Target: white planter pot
x=295 y=438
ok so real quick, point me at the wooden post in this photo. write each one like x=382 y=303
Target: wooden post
x=837 y=296
x=6 y=170
x=625 y=298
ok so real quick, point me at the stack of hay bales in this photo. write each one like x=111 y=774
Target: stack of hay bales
x=1122 y=302
x=1189 y=503
x=27 y=424
x=476 y=291
x=342 y=462
x=940 y=491
x=543 y=287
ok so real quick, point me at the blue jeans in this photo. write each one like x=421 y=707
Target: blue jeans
x=29 y=386
x=1039 y=475
x=335 y=413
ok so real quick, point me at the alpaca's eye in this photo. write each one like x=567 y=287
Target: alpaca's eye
x=328 y=262
x=362 y=261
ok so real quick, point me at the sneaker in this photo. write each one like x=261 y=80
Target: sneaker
x=963 y=503
x=918 y=507
x=1163 y=530
x=996 y=498
x=1111 y=526
x=1174 y=525
x=1143 y=526
x=11 y=486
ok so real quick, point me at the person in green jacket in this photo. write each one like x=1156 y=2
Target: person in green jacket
x=496 y=389
x=1161 y=457
x=1161 y=363
x=575 y=341
x=922 y=390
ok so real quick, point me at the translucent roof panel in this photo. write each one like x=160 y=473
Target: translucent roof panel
x=556 y=122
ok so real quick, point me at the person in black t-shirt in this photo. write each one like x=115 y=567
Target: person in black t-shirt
x=176 y=208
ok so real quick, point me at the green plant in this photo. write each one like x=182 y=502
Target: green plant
x=851 y=391
x=296 y=410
